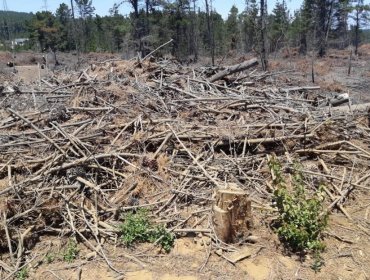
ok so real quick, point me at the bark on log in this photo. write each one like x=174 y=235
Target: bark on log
x=232 y=215
x=339 y=100
x=346 y=109
x=305 y=88
x=234 y=69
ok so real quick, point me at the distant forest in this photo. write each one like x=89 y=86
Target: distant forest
x=14 y=25
x=316 y=26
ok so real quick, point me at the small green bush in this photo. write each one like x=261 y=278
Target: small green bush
x=300 y=223
x=22 y=274
x=137 y=228
x=49 y=258
x=71 y=252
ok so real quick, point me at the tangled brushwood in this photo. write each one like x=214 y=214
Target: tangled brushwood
x=82 y=153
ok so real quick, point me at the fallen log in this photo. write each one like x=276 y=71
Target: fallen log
x=234 y=69
x=305 y=88
x=347 y=109
x=339 y=100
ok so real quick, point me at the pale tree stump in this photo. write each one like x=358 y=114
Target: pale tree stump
x=232 y=214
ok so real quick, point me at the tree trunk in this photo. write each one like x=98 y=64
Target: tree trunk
x=264 y=61
x=357 y=30
x=303 y=45
x=135 y=6
x=210 y=31
x=73 y=10
x=195 y=32
x=328 y=23
x=136 y=25
x=213 y=48
x=232 y=214
x=234 y=69
x=325 y=10
x=147 y=27
x=75 y=33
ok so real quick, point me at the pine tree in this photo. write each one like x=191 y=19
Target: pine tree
x=64 y=16
x=194 y=31
x=85 y=8
x=210 y=31
x=317 y=19
x=361 y=16
x=232 y=28
x=262 y=26
x=279 y=24
x=340 y=21
x=44 y=30
x=250 y=25
x=84 y=32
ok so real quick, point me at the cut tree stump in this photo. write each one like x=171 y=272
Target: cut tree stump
x=232 y=214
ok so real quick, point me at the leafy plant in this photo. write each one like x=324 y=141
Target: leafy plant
x=22 y=274
x=71 y=252
x=300 y=222
x=138 y=228
x=162 y=237
x=49 y=258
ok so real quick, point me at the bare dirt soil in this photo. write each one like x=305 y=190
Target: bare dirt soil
x=347 y=239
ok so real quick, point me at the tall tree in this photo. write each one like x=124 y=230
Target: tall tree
x=140 y=21
x=361 y=16
x=210 y=31
x=232 y=28
x=263 y=49
x=317 y=20
x=340 y=21
x=194 y=30
x=64 y=16
x=307 y=25
x=324 y=12
x=86 y=12
x=278 y=25
x=45 y=30
x=250 y=25
x=85 y=8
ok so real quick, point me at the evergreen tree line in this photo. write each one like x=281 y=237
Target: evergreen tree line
x=13 y=25
x=197 y=31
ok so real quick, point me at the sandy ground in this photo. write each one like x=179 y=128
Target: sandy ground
x=347 y=257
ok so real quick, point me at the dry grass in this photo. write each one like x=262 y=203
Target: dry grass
x=163 y=162
x=332 y=86
x=364 y=50
x=323 y=67
x=4 y=183
x=144 y=187
x=339 y=54
x=5 y=57
x=290 y=52
x=303 y=65
x=275 y=65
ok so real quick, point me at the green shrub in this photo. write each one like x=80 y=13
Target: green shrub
x=49 y=258
x=71 y=252
x=300 y=222
x=138 y=228
x=22 y=274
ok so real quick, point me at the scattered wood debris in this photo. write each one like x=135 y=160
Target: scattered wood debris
x=82 y=148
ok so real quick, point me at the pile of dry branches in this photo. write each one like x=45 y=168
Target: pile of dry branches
x=80 y=149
